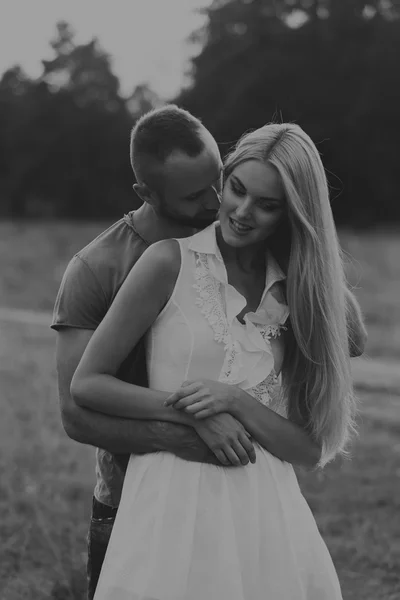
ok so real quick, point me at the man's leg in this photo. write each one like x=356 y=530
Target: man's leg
x=101 y=525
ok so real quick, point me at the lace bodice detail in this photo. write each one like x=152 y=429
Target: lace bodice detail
x=211 y=307
x=268 y=322
x=198 y=334
x=210 y=302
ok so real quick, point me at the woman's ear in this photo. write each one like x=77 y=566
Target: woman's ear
x=144 y=193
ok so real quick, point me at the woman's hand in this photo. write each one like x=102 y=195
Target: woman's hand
x=227 y=439
x=204 y=398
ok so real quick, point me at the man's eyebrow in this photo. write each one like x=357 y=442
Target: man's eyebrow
x=269 y=198
x=206 y=188
x=196 y=193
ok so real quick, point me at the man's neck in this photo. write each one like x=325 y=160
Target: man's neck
x=153 y=228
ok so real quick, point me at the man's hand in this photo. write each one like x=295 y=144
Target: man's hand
x=227 y=439
x=204 y=398
x=114 y=434
x=126 y=436
x=183 y=441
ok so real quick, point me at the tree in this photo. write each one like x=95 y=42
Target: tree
x=84 y=71
x=325 y=64
x=65 y=141
x=142 y=99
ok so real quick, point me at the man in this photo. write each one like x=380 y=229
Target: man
x=178 y=168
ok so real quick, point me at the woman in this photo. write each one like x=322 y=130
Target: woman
x=221 y=326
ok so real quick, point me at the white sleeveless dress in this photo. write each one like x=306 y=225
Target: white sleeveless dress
x=193 y=531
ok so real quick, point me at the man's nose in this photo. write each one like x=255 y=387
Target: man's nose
x=212 y=199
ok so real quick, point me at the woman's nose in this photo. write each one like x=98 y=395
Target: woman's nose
x=244 y=208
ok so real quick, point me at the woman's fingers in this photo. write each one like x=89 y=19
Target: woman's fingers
x=186 y=403
x=183 y=392
x=186 y=383
x=204 y=413
x=196 y=405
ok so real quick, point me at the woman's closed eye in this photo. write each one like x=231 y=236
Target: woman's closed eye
x=268 y=205
x=239 y=191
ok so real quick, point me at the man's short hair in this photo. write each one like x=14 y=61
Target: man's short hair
x=160 y=132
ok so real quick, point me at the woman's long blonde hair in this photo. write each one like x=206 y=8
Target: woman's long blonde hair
x=316 y=375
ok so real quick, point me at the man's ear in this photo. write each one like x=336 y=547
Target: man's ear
x=144 y=193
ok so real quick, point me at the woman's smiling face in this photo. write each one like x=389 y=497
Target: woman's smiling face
x=253 y=204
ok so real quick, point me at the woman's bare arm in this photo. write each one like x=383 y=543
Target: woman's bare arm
x=135 y=308
x=116 y=434
x=286 y=439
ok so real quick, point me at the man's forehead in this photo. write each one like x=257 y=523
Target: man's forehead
x=210 y=155
x=192 y=173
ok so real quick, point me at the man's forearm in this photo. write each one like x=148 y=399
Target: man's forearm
x=115 y=434
x=129 y=436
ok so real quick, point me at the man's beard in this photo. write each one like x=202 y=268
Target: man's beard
x=197 y=222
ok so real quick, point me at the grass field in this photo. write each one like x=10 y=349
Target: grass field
x=46 y=480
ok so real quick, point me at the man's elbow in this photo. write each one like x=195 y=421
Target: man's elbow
x=73 y=411
x=78 y=391
x=70 y=423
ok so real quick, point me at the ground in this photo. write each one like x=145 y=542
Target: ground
x=46 y=480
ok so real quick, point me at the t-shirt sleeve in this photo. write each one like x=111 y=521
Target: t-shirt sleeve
x=81 y=300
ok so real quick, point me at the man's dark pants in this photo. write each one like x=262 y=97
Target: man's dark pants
x=101 y=525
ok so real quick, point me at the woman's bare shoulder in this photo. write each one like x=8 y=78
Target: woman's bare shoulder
x=167 y=249
x=164 y=256
x=150 y=282
x=157 y=270
x=155 y=273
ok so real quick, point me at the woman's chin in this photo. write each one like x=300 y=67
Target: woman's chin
x=234 y=242
x=231 y=238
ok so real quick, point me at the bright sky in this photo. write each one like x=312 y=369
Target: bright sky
x=146 y=38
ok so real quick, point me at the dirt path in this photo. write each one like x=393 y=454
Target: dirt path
x=28 y=317
x=369 y=373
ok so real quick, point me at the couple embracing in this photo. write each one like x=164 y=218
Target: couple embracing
x=203 y=358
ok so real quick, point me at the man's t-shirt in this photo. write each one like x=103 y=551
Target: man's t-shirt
x=90 y=284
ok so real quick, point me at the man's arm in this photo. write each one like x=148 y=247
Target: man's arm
x=80 y=306
x=117 y=435
x=355 y=325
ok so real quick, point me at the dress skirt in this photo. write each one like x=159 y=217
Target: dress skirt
x=194 y=531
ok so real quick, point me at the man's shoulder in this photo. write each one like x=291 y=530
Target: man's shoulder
x=95 y=274
x=114 y=250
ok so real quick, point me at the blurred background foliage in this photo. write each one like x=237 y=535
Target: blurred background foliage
x=330 y=65
x=333 y=66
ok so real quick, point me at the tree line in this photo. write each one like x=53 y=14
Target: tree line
x=332 y=66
